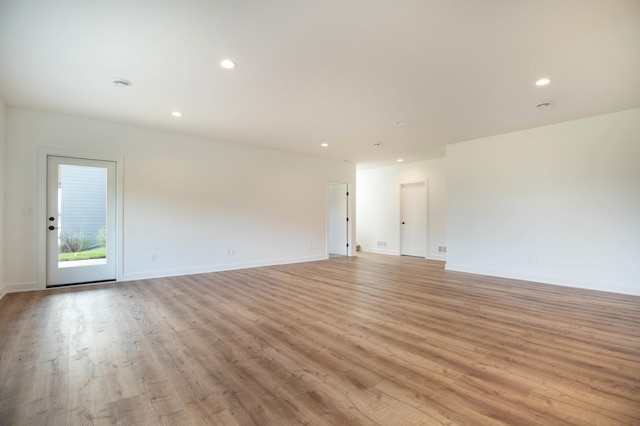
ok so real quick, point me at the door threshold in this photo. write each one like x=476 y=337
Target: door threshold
x=82 y=283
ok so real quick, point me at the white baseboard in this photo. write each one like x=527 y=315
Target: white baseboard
x=20 y=287
x=3 y=291
x=436 y=257
x=217 y=268
x=380 y=251
x=394 y=253
x=598 y=286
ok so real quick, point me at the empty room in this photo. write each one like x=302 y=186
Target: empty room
x=320 y=213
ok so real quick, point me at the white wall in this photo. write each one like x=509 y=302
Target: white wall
x=2 y=181
x=187 y=200
x=558 y=204
x=378 y=205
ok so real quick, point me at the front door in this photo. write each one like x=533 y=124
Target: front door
x=81 y=221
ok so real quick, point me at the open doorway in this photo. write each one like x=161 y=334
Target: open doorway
x=338 y=219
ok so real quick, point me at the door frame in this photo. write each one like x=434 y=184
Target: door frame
x=426 y=215
x=41 y=228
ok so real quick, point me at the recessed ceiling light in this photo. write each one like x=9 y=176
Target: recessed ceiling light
x=400 y=160
x=543 y=105
x=324 y=145
x=399 y=123
x=228 y=64
x=177 y=114
x=121 y=82
x=543 y=82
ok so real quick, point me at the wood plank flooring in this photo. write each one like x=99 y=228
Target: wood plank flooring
x=372 y=340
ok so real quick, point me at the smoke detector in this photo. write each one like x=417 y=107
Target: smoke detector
x=121 y=82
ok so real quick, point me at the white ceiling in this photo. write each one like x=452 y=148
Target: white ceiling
x=334 y=71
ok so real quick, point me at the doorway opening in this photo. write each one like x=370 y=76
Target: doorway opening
x=338 y=219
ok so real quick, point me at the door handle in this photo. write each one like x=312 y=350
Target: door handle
x=403 y=223
x=51 y=228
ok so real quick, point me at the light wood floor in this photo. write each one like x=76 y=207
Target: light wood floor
x=377 y=340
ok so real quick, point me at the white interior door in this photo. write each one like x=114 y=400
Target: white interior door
x=413 y=219
x=338 y=225
x=81 y=221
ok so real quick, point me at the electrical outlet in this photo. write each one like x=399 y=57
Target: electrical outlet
x=382 y=243
x=154 y=258
x=231 y=252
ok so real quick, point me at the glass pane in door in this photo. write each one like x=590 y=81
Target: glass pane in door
x=82 y=216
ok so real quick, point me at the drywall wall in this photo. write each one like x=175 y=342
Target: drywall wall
x=198 y=205
x=558 y=204
x=378 y=205
x=2 y=168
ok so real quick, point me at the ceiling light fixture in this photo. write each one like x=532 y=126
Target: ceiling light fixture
x=324 y=145
x=227 y=64
x=377 y=144
x=543 y=105
x=121 y=82
x=400 y=160
x=177 y=114
x=398 y=123
x=543 y=82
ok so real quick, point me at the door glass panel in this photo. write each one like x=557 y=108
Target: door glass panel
x=82 y=216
